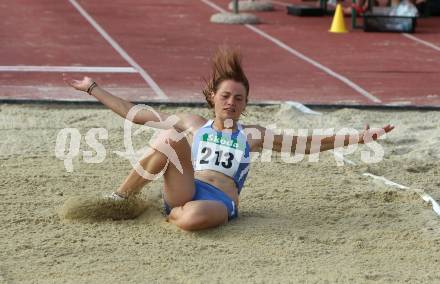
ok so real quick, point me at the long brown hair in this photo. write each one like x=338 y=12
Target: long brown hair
x=225 y=65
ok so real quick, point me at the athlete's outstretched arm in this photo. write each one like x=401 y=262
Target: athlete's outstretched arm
x=122 y=107
x=335 y=141
x=316 y=143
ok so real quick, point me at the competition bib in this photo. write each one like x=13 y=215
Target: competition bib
x=219 y=153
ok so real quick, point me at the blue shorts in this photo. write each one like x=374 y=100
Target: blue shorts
x=206 y=191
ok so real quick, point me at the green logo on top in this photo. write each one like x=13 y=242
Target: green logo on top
x=222 y=140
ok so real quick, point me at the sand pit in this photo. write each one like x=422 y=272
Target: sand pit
x=306 y=222
x=99 y=208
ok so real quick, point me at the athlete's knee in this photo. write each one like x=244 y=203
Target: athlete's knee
x=190 y=219
x=172 y=147
x=171 y=137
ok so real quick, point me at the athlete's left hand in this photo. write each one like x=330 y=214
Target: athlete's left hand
x=80 y=85
x=372 y=134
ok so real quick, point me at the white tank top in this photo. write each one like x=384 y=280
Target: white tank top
x=224 y=152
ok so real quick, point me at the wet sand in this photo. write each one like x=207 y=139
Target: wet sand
x=307 y=222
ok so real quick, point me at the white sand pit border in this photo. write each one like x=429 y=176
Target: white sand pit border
x=425 y=196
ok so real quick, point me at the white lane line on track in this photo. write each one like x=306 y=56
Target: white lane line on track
x=78 y=69
x=317 y=65
x=428 y=44
x=160 y=94
x=298 y=54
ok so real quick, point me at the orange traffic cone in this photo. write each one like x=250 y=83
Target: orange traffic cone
x=338 y=23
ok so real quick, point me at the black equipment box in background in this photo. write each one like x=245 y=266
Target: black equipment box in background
x=382 y=23
x=304 y=10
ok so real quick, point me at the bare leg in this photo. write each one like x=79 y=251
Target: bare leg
x=179 y=187
x=153 y=163
x=199 y=214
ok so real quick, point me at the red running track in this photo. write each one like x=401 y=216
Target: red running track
x=171 y=41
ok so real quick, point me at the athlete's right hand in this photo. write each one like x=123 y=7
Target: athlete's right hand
x=81 y=85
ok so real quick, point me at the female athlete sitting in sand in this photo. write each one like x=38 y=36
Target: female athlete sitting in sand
x=201 y=190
